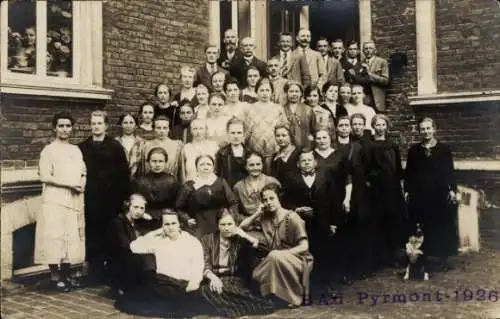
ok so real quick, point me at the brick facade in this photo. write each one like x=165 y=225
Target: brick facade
x=466 y=61
x=144 y=43
x=468 y=42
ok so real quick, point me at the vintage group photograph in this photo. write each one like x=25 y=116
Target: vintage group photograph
x=250 y=159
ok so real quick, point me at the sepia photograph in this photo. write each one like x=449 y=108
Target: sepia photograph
x=250 y=159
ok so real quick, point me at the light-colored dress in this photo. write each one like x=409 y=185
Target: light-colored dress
x=128 y=144
x=281 y=272
x=139 y=153
x=238 y=110
x=189 y=154
x=260 y=120
x=216 y=129
x=249 y=194
x=60 y=227
x=367 y=111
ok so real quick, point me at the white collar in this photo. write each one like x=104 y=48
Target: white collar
x=343 y=140
x=237 y=150
x=200 y=182
x=285 y=154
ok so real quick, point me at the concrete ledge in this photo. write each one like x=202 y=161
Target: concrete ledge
x=454 y=98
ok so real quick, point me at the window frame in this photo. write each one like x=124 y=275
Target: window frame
x=86 y=80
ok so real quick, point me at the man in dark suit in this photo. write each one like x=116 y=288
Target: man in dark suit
x=334 y=72
x=204 y=72
x=239 y=65
x=318 y=198
x=351 y=63
x=337 y=49
x=230 y=50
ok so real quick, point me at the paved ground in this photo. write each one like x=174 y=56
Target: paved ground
x=468 y=291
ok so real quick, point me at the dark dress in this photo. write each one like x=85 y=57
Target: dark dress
x=384 y=174
x=429 y=177
x=160 y=191
x=107 y=187
x=171 y=112
x=203 y=204
x=280 y=169
x=359 y=232
x=128 y=270
x=229 y=167
x=181 y=132
x=236 y=299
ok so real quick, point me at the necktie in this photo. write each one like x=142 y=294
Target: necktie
x=284 y=64
x=214 y=69
x=247 y=62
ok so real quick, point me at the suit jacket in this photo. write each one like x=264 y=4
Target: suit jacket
x=315 y=67
x=318 y=197
x=279 y=96
x=334 y=71
x=296 y=64
x=378 y=80
x=238 y=69
x=205 y=77
x=224 y=58
x=346 y=66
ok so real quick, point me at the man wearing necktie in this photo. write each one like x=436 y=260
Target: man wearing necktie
x=334 y=72
x=310 y=69
x=351 y=63
x=230 y=50
x=205 y=71
x=238 y=68
x=374 y=76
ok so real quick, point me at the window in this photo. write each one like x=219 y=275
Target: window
x=52 y=47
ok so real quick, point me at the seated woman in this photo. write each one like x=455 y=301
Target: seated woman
x=157 y=186
x=226 y=289
x=129 y=270
x=284 y=272
x=179 y=271
x=248 y=189
x=200 y=199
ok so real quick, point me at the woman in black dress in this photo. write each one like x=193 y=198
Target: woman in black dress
x=157 y=186
x=230 y=160
x=226 y=287
x=432 y=193
x=384 y=175
x=200 y=199
x=284 y=162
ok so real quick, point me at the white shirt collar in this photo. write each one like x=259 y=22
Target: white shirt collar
x=207 y=181
x=309 y=180
x=237 y=150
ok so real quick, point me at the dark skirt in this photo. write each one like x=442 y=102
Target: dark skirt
x=166 y=298
x=236 y=300
x=439 y=223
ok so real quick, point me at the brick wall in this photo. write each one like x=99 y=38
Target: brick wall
x=468 y=42
x=147 y=42
x=470 y=128
x=144 y=43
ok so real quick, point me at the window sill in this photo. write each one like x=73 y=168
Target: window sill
x=49 y=89
x=454 y=98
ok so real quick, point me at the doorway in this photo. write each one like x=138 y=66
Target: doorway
x=333 y=19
